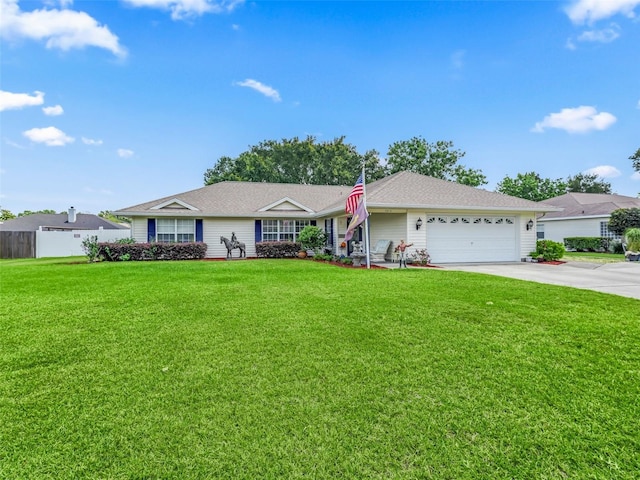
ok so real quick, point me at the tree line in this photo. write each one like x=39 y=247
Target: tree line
x=336 y=162
x=307 y=161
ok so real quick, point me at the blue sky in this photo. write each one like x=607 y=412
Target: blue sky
x=106 y=104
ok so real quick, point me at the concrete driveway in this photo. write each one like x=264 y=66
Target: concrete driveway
x=621 y=278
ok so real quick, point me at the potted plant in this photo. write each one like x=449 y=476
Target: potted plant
x=632 y=236
x=312 y=238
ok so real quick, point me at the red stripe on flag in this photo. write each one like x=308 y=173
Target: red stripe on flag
x=354 y=196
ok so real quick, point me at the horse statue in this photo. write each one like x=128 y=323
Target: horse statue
x=231 y=245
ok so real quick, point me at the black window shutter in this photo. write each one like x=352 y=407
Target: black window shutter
x=258 y=231
x=151 y=230
x=199 y=230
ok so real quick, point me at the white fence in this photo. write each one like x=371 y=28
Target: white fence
x=69 y=243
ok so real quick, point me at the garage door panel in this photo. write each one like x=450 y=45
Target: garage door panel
x=471 y=239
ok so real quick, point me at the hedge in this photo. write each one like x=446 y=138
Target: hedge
x=587 y=244
x=277 y=249
x=113 y=252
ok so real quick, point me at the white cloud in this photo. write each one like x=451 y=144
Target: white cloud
x=606 y=35
x=125 y=153
x=50 y=136
x=576 y=120
x=589 y=11
x=91 y=141
x=53 y=111
x=457 y=59
x=635 y=176
x=16 y=101
x=63 y=29
x=181 y=9
x=570 y=44
x=604 y=171
x=266 y=90
x=14 y=144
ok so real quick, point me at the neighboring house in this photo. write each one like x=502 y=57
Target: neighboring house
x=582 y=215
x=55 y=235
x=454 y=222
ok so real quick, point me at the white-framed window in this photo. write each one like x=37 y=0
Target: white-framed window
x=606 y=233
x=282 y=230
x=175 y=230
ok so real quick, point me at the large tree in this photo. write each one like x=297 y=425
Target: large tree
x=30 y=212
x=587 y=183
x=624 y=218
x=6 y=214
x=532 y=187
x=439 y=160
x=635 y=160
x=298 y=161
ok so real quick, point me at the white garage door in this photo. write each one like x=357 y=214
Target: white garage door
x=464 y=238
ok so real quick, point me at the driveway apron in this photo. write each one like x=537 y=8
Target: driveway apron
x=622 y=278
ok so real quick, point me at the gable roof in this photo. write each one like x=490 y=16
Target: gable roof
x=588 y=205
x=240 y=199
x=58 y=221
x=400 y=190
x=413 y=190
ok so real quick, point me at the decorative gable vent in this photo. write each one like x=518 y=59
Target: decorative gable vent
x=286 y=204
x=174 y=204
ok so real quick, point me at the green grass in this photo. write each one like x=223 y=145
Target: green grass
x=297 y=369
x=594 y=257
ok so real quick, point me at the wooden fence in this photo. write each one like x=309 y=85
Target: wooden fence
x=17 y=244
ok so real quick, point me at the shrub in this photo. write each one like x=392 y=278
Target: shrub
x=420 y=257
x=633 y=239
x=587 y=244
x=277 y=249
x=616 y=247
x=323 y=257
x=549 y=250
x=312 y=238
x=90 y=247
x=623 y=219
x=115 y=251
x=126 y=241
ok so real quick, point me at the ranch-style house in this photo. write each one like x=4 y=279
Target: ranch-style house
x=455 y=223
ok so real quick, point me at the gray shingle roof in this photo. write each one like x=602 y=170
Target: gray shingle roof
x=84 y=221
x=412 y=190
x=238 y=199
x=400 y=190
x=589 y=204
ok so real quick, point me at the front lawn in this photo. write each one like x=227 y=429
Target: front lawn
x=595 y=257
x=297 y=369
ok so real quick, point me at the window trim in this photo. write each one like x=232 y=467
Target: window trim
x=282 y=232
x=175 y=232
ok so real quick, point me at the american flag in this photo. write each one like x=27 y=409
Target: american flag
x=354 y=196
x=359 y=216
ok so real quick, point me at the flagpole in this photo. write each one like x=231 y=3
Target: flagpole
x=367 y=246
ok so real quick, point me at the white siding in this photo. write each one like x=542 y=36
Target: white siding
x=417 y=237
x=558 y=230
x=213 y=229
x=139 y=229
x=387 y=226
x=528 y=238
